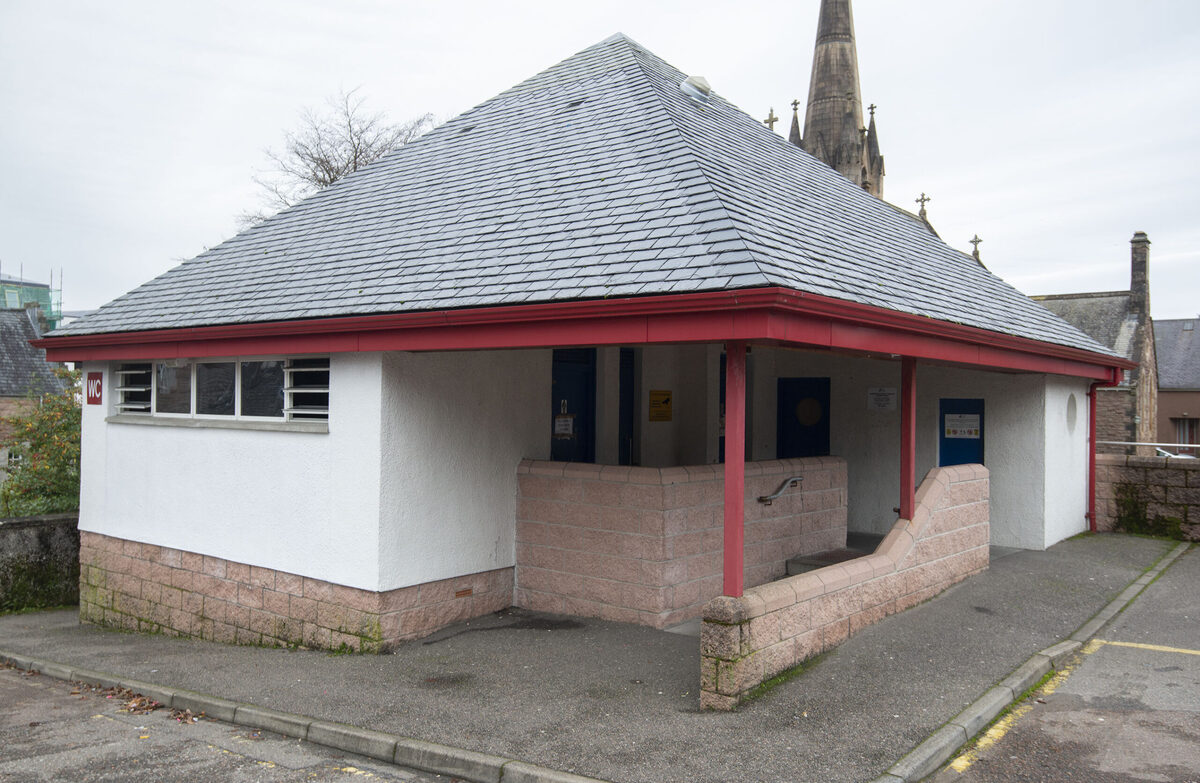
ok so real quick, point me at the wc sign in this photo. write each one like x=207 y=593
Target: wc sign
x=95 y=387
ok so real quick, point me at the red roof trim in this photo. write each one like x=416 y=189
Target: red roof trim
x=763 y=314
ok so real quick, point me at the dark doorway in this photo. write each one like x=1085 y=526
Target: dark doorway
x=960 y=433
x=803 y=418
x=625 y=409
x=573 y=405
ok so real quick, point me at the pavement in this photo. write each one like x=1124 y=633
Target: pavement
x=523 y=695
x=55 y=730
x=1125 y=707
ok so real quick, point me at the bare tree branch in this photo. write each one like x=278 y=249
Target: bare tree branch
x=326 y=147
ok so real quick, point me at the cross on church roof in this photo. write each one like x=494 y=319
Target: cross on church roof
x=923 y=200
x=771 y=119
x=871 y=109
x=796 y=105
x=976 y=241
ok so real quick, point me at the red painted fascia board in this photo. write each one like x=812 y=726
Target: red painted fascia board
x=775 y=314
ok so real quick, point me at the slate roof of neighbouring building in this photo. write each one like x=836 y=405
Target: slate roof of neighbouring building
x=1178 y=351
x=23 y=368
x=1105 y=316
x=595 y=178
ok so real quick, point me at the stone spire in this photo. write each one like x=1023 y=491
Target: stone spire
x=794 y=135
x=833 y=121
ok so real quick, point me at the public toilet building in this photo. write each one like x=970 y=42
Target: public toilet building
x=603 y=345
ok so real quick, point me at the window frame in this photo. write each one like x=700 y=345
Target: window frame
x=1187 y=430
x=289 y=413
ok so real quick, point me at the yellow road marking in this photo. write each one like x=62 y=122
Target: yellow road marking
x=1140 y=646
x=1002 y=726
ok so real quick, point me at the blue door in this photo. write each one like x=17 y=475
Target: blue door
x=803 y=418
x=960 y=432
x=573 y=405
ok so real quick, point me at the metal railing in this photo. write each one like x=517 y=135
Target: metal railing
x=1161 y=449
x=766 y=499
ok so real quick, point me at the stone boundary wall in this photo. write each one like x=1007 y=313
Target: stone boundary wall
x=39 y=561
x=644 y=545
x=771 y=628
x=1170 y=486
x=143 y=587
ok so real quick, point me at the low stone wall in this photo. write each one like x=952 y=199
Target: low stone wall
x=142 y=587
x=39 y=561
x=644 y=545
x=1169 y=486
x=748 y=640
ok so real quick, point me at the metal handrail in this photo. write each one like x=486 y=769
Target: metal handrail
x=766 y=499
x=1159 y=445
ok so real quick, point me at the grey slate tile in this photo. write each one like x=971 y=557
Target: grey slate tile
x=642 y=175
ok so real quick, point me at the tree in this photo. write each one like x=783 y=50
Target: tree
x=327 y=146
x=43 y=470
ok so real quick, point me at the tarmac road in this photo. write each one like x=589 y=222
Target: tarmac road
x=54 y=731
x=1128 y=710
x=619 y=702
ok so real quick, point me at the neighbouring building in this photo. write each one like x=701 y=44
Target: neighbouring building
x=602 y=345
x=1128 y=411
x=25 y=374
x=1178 y=352
x=17 y=293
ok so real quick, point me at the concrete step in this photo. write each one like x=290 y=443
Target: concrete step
x=857 y=545
x=804 y=563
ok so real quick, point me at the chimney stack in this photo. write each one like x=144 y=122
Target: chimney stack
x=1139 y=278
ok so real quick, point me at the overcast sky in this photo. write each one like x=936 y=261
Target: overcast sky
x=130 y=131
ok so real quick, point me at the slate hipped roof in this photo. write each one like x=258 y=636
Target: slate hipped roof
x=1178 y=350
x=23 y=368
x=1106 y=316
x=595 y=178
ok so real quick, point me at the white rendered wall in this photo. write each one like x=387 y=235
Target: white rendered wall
x=868 y=439
x=455 y=426
x=1027 y=446
x=608 y=402
x=305 y=503
x=1066 y=458
x=683 y=370
x=1014 y=444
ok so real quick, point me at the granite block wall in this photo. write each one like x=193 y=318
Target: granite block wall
x=143 y=587
x=644 y=545
x=771 y=628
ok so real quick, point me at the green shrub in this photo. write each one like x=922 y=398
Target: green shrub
x=43 y=470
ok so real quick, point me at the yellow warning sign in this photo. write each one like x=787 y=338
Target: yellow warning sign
x=660 y=405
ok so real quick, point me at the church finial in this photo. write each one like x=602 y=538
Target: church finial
x=923 y=200
x=771 y=119
x=871 y=109
x=976 y=241
x=794 y=135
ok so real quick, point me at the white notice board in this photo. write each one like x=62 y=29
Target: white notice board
x=962 y=425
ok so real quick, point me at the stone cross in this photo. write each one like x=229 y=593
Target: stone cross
x=976 y=241
x=871 y=109
x=771 y=119
x=923 y=200
x=795 y=106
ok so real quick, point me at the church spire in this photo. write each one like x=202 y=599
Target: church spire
x=833 y=121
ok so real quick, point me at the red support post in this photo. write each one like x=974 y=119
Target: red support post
x=735 y=465
x=908 y=437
